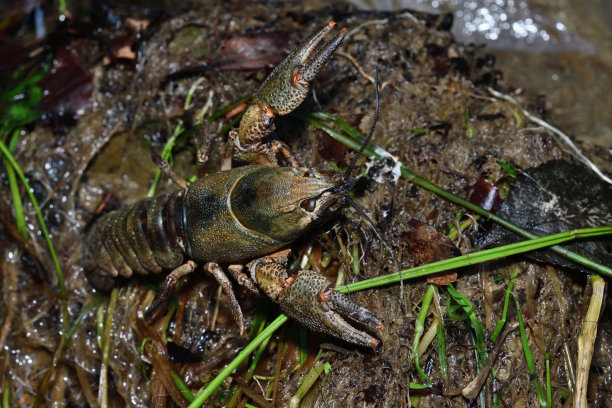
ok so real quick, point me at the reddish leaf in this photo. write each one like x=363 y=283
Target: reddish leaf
x=236 y=110
x=251 y=52
x=67 y=88
x=486 y=195
x=330 y=149
x=425 y=244
x=12 y=54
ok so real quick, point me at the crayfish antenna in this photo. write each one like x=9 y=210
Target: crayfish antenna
x=349 y=169
x=347 y=182
x=382 y=239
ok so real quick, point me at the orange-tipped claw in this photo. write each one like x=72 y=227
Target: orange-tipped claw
x=311 y=300
x=287 y=86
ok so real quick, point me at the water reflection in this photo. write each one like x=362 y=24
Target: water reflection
x=560 y=50
x=498 y=23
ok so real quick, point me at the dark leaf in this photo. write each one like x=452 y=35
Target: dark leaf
x=67 y=88
x=329 y=149
x=179 y=354
x=554 y=197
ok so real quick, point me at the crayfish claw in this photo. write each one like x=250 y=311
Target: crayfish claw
x=347 y=307
x=310 y=299
x=314 y=62
x=287 y=86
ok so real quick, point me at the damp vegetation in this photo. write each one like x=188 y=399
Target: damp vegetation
x=490 y=306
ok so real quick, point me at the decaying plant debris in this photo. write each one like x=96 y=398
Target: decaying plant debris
x=436 y=117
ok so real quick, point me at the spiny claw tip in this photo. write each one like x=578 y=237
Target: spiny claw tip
x=297 y=78
x=382 y=326
x=269 y=113
x=324 y=294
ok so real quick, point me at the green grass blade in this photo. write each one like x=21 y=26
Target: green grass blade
x=244 y=354
x=84 y=312
x=548 y=382
x=180 y=384
x=17 y=203
x=303 y=343
x=475 y=324
x=477 y=257
x=500 y=324
x=313 y=375
x=60 y=277
x=441 y=338
x=6 y=393
x=419 y=328
x=529 y=357
x=105 y=347
x=20 y=220
x=477 y=332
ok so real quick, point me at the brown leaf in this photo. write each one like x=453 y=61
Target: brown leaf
x=251 y=52
x=329 y=149
x=136 y=24
x=67 y=87
x=425 y=244
x=443 y=279
x=125 y=52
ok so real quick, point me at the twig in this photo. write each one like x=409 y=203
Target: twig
x=586 y=341
x=362 y=71
x=365 y=24
x=565 y=138
x=85 y=387
x=105 y=349
x=216 y=312
x=10 y=283
x=471 y=391
x=248 y=391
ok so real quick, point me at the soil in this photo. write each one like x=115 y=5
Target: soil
x=429 y=82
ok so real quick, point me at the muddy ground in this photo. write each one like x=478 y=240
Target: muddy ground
x=429 y=82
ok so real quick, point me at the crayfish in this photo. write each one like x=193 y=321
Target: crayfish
x=242 y=215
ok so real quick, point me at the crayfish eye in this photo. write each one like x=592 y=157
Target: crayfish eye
x=309 y=173
x=309 y=204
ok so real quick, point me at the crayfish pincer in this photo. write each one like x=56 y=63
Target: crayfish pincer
x=240 y=216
